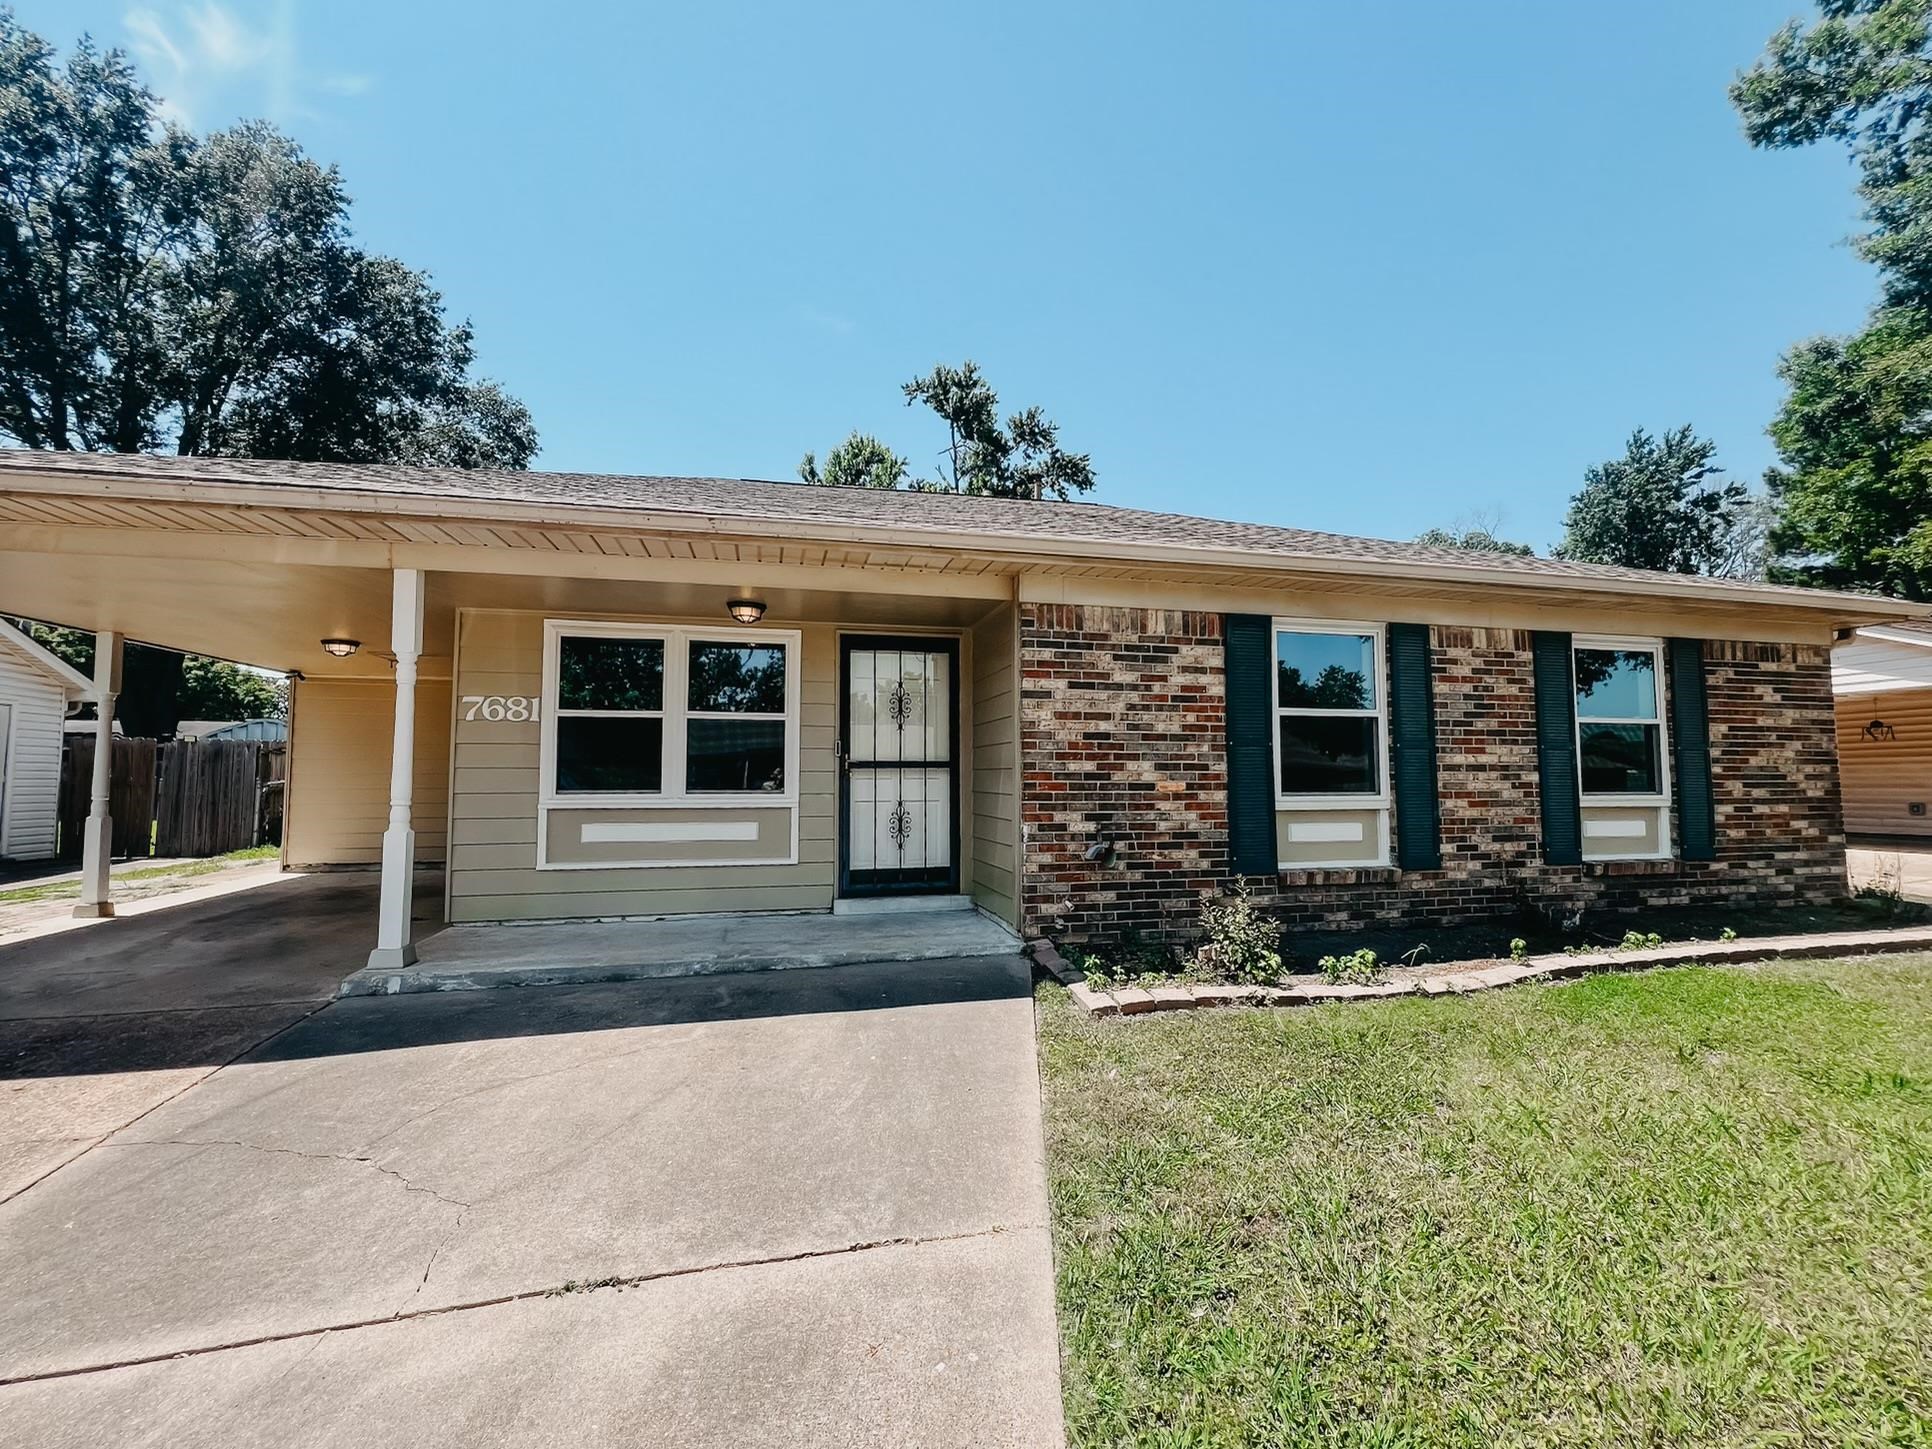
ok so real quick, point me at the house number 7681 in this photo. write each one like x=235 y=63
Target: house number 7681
x=513 y=707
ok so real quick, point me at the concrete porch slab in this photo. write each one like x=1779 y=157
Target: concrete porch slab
x=576 y=953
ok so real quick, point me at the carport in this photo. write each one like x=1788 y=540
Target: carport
x=419 y=618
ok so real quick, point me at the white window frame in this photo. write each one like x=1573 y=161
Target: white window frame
x=1379 y=802
x=676 y=713
x=1657 y=801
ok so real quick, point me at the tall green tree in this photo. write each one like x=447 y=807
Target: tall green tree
x=1854 y=492
x=1855 y=437
x=1018 y=458
x=164 y=292
x=161 y=291
x=1660 y=506
x=216 y=689
x=1474 y=535
x=861 y=461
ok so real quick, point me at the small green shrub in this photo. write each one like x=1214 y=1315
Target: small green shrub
x=1882 y=894
x=1243 y=945
x=1639 y=941
x=1729 y=933
x=1518 y=949
x=1357 y=968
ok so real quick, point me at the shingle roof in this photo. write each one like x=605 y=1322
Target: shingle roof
x=1096 y=525
x=1921 y=627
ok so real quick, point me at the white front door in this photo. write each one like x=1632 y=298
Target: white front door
x=898 y=776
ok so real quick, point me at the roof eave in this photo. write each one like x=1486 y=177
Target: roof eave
x=1847 y=610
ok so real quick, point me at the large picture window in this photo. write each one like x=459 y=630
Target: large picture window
x=1623 y=759
x=1619 y=719
x=1328 y=705
x=1331 y=745
x=609 y=708
x=735 y=723
x=640 y=714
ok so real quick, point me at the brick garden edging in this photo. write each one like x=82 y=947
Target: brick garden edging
x=1132 y=1000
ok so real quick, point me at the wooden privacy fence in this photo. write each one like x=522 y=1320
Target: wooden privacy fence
x=130 y=793
x=187 y=798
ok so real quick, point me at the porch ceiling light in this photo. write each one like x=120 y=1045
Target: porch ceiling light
x=746 y=611
x=341 y=648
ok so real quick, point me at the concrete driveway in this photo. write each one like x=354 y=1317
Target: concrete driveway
x=1901 y=865
x=800 y=1208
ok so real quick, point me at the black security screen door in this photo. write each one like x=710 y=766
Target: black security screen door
x=898 y=765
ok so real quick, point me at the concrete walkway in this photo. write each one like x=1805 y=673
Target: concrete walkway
x=1903 y=866
x=799 y=1208
x=470 y=958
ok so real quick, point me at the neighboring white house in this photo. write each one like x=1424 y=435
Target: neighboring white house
x=1882 y=677
x=35 y=691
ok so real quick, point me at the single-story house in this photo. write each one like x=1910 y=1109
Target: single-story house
x=36 y=690
x=1882 y=676
x=610 y=696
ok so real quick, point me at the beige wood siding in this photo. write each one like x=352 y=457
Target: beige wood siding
x=994 y=777
x=338 y=802
x=1883 y=779
x=493 y=873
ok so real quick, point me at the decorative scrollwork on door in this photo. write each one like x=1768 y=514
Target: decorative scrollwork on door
x=899 y=825
x=899 y=705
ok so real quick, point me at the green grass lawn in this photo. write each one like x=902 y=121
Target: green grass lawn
x=70 y=889
x=1681 y=1207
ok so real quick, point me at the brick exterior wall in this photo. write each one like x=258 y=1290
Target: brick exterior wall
x=1123 y=737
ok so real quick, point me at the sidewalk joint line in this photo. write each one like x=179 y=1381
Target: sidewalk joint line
x=558 y=1290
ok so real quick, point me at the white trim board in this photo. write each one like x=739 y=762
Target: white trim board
x=593 y=832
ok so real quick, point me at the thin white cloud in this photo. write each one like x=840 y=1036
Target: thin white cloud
x=200 y=55
x=152 y=42
x=224 y=42
x=823 y=320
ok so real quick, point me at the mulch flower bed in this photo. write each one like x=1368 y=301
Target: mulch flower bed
x=1472 y=976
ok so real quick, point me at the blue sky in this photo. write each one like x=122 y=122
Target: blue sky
x=1361 y=268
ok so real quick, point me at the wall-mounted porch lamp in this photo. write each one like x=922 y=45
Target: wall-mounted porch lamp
x=341 y=648
x=1878 y=731
x=746 y=611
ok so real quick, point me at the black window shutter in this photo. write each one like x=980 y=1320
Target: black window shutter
x=1556 y=749
x=1690 y=737
x=1412 y=738
x=1251 y=744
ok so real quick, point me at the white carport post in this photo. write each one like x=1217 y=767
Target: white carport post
x=97 y=836
x=393 y=949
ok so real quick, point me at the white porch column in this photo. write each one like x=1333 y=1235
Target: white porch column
x=97 y=836
x=393 y=949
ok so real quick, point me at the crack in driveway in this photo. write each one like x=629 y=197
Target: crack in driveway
x=408 y=1184
x=107 y=1138
x=555 y=1290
